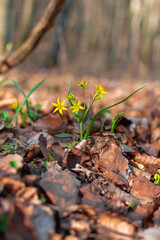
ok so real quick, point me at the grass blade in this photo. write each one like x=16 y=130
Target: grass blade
x=21 y=90
x=115 y=122
x=24 y=101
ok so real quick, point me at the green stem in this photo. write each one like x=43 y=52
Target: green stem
x=81 y=130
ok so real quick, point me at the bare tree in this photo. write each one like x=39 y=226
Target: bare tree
x=46 y=22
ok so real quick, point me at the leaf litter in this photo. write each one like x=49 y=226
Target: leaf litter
x=101 y=188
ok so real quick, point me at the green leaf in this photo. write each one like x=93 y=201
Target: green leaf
x=156 y=177
x=44 y=163
x=32 y=116
x=14 y=164
x=18 y=86
x=64 y=135
x=42 y=200
x=115 y=122
x=4 y=115
x=37 y=106
x=24 y=101
x=71 y=144
x=3 y=223
x=51 y=155
x=132 y=204
x=103 y=109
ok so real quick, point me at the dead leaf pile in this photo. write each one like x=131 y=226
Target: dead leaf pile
x=101 y=188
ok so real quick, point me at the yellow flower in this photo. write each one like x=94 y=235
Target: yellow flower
x=99 y=92
x=82 y=84
x=71 y=96
x=76 y=107
x=59 y=106
x=15 y=105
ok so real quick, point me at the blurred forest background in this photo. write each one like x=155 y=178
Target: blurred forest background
x=90 y=36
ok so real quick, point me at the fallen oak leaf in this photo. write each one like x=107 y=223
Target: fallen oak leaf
x=60 y=188
x=143 y=189
x=147 y=160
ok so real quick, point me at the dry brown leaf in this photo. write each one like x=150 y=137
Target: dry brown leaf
x=75 y=156
x=154 y=149
x=30 y=179
x=80 y=225
x=96 y=143
x=57 y=237
x=42 y=142
x=11 y=186
x=60 y=188
x=143 y=189
x=151 y=233
x=155 y=129
x=111 y=158
x=141 y=213
x=92 y=198
x=109 y=152
x=136 y=171
x=115 y=193
x=147 y=160
x=42 y=219
x=18 y=226
x=30 y=222
x=51 y=123
x=28 y=194
x=156 y=217
x=70 y=237
x=58 y=154
x=7 y=99
x=6 y=168
x=114 y=177
x=117 y=226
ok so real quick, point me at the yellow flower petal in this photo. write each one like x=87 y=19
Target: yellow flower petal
x=62 y=103
x=99 y=91
x=60 y=111
x=58 y=101
x=55 y=104
x=59 y=106
x=55 y=110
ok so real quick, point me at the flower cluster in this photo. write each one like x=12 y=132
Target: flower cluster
x=81 y=112
x=75 y=105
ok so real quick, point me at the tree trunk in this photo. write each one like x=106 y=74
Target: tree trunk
x=26 y=19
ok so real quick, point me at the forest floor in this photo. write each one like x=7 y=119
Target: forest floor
x=100 y=188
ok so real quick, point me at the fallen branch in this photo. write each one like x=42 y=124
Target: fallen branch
x=46 y=22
